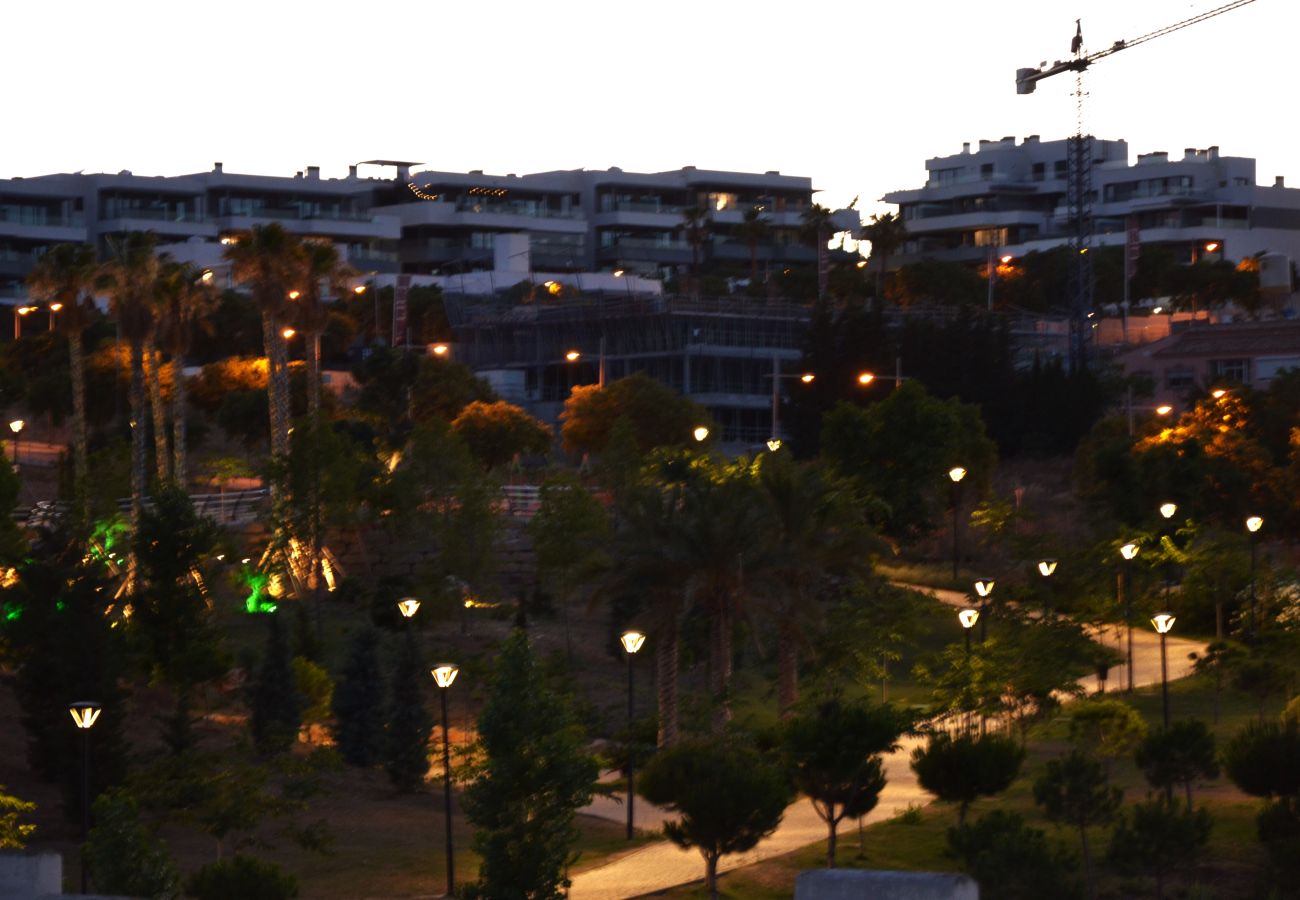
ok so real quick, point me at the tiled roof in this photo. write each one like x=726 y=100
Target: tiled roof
x=1244 y=339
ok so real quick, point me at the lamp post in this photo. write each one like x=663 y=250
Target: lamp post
x=774 y=442
x=632 y=641
x=956 y=473
x=443 y=675
x=1127 y=552
x=1046 y=567
x=1163 y=623
x=1253 y=524
x=16 y=426
x=700 y=433
x=84 y=715
x=54 y=308
x=968 y=617
x=983 y=588
x=1167 y=510
x=19 y=313
x=408 y=607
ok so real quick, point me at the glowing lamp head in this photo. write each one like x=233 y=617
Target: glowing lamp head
x=408 y=606
x=1218 y=393
x=288 y=333
x=700 y=433
x=1129 y=550
x=1211 y=246
x=1164 y=409
x=56 y=306
x=618 y=273
x=1163 y=622
x=1168 y=509
x=359 y=289
x=1254 y=523
x=866 y=378
x=774 y=444
x=16 y=425
x=294 y=295
x=24 y=310
x=444 y=674
x=807 y=377
x=1046 y=567
x=632 y=640
x=1006 y=259
x=84 y=713
x=206 y=277
x=968 y=617
x=862 y=264
x=440 y=349
x=956 y=473
x=984 y=586
x=572 y=356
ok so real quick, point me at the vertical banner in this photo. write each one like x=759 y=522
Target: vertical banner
x=399 y=310
x=1132 y=246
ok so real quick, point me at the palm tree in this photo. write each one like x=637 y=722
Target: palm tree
x=886 y=233
x=643 y=563
x=323 y=266
x=153 y=380
x=754 y=229
x=817 y=228
x=720 y=542
x=816 y=532
x=131 y=278
x=695 y=225
x=270 y=261
x=187 y=296
x=66 y=274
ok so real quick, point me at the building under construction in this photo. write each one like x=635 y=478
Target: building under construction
x=721 y=353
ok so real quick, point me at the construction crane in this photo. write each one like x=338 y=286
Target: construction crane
x=1079 y=186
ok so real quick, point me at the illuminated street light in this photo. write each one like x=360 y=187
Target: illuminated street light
x=84 y=715
x=866 y=378
x=440 y=349
x=955 y=474
x=443 y=675
x=700 y=433
x=294 y=295
x=16 y=426
x=1163 y=623
x=774 y=444
x=1211 y=246
x=984 y=586
x=1218 y=393
x=288 y=333
x=1253 y=525
x=408 y=607
x=632 y=641
x=983 y=589
x=1127 y=552
x=1168 y=509
x=54 y=308
x=572 y=356
x=1046 y=567
x=968 y=618
x=1164 y=409
x=359 y=290
x=807 y=377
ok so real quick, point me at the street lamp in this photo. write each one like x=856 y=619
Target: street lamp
x=1046 y=567
x=700 y=433
x=1253 y=525
x=408 y=607
x=54 y=308
x=440 y=349
x=968 y=618
x=1127 y=552
x=19 y=312
x=984 y=589
x=1163 y=623
x=84 y=715
x=776 y=376
x=1168 y=509
x=16 y=426
x=956 y=473
x=443 y=675
x=632 y=641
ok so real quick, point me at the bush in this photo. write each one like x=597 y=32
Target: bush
x=1010 y=860
x=242 y=877
x=124 y=856
x=963 y=769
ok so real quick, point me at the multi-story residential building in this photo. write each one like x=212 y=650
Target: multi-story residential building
x=428 y=222
x=1012 y=196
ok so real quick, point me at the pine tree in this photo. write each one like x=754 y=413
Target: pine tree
x=406 y=754
x=359 y=703
x=277 y=711
x=533 y=777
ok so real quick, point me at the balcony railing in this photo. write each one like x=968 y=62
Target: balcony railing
x=23 y=216
x=153 y=214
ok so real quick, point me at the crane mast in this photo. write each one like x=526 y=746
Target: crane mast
x=1078 y=195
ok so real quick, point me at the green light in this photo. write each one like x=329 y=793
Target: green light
x=257 y=600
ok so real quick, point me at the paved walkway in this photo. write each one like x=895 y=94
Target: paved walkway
x=662 y=865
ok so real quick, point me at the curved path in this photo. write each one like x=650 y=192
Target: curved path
x=663 y=865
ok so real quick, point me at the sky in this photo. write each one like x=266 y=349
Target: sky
x=854 y=95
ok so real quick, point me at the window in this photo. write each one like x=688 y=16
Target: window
x=986 y=170
x=1039 y=171
x=1230 y=370
x=1060 y=169
x=1179 y=378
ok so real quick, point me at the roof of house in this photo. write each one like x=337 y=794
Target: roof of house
x=1242 y=339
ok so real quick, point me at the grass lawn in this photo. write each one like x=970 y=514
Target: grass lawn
x=1232 y=867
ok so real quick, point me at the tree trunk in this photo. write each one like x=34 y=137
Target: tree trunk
x=152 y=371
x=139 y=457
x=666 y=667
x=178 y=422
x=720 y=665
x=962 y=807
x=832 y=824
x=80 y=445
x=787 y=691
x=711 y=874
x=313 y=377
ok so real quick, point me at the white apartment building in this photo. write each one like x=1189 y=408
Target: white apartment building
x=1012 y=196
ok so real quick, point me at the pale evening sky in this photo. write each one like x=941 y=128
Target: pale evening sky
x=855 y=95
